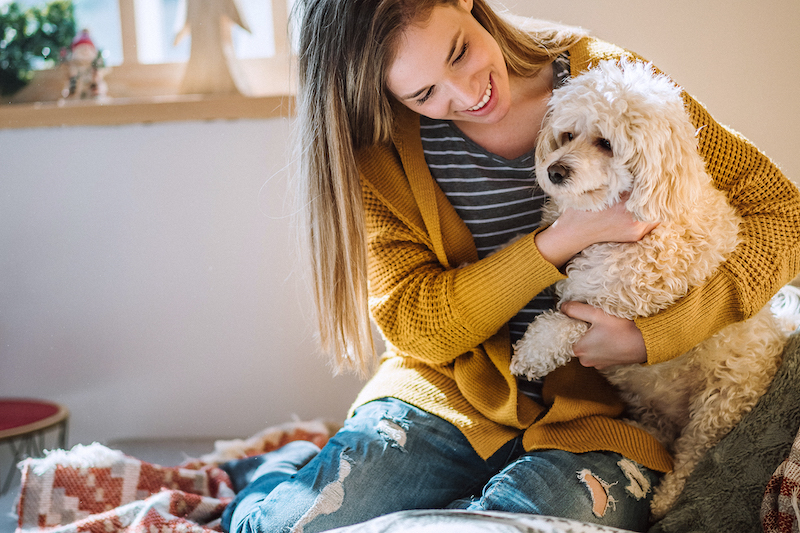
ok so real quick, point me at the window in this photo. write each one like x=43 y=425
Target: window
x=146 y=66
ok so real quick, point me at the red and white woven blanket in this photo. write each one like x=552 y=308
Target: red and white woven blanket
x=98 y=490
x=780 y=510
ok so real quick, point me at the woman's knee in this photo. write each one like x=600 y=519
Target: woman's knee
x=389 y=456
x=598 y=487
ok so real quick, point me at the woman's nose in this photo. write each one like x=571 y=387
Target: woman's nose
x=466 y=91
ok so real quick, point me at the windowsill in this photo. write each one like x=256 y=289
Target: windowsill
x=36 y=107
x=115 y=111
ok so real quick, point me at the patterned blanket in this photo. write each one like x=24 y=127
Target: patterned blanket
x=95 y=489
x=780 y=510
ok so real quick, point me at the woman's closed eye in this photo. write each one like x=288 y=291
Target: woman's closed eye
x=425 y=97
x=462 y=53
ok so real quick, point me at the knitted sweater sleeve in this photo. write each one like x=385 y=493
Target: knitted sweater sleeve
x=435 y=313
x=767 y=258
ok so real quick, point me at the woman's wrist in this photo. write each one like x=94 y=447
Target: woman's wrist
x=557 y=245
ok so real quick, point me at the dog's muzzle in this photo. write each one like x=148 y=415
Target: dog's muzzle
x=557 y=173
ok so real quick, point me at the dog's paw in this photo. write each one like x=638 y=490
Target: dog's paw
x=660 y=505
x=665 y=495
x=546 y=345
x=531 y=370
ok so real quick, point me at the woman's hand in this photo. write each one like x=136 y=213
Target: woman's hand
x=574 y=230
x=609 y=340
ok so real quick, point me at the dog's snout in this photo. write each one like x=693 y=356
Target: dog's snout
x=557 y=173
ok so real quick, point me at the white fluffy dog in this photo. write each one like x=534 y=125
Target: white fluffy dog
x=622 y=128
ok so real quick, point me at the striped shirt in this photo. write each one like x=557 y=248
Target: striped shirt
x=497 y=198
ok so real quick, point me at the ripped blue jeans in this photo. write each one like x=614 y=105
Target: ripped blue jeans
x=391 y=456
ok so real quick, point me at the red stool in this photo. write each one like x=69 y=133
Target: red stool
x=23 y=424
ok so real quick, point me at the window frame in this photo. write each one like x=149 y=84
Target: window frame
x=145 y=93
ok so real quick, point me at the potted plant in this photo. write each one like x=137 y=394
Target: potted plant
x=32 y=39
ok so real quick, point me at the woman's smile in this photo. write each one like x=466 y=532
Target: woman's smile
x=487 y=96
x=449 y=67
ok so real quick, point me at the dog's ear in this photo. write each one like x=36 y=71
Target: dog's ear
x=546 y=141
x=667 y=168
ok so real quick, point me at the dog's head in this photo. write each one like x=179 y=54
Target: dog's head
x=619 y=128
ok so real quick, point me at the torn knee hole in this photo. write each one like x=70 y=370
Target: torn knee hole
x=639 y=485
x=329 y=499
x=598 y=491
x=393 y=431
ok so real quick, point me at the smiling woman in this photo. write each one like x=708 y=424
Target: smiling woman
x=469 y=82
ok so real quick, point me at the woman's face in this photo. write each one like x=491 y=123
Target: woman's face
x=450 y=67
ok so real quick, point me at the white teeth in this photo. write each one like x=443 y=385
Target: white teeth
x=486 y=96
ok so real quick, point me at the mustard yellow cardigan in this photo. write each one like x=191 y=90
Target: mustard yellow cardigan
x=443 y=312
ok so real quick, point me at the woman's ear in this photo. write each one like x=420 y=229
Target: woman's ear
x=466 y=4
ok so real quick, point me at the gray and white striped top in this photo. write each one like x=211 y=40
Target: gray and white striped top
x=497 y=198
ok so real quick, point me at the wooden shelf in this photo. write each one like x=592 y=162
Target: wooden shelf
x=149 y=93
x=115 y=111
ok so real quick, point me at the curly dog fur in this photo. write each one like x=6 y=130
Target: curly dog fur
x=621 y=128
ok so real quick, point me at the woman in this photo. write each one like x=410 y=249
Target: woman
x=418 y=122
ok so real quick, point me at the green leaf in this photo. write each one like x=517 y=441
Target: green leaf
x=33 y=35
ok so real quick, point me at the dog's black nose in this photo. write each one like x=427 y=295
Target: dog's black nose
x=557 y=173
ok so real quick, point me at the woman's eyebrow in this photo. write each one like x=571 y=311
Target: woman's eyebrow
x=453 y=46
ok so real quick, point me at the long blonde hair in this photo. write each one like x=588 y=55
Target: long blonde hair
x=345 y=47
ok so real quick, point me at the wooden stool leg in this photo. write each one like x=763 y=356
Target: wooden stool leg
x=31 y=445
x=17 y=452
x=63 y=428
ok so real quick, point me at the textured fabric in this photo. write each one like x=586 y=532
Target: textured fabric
x=388 y=457
x=93 y=488
x=106 y=490
x=497 y=198
x=724 y=493
x=444 y=313
x=426 y=521
x=780 y=510
x=595 y=487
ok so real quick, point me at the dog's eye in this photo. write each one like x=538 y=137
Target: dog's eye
x=603 y=144
x=566 y=137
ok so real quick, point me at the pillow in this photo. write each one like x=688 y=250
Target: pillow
x=461 y=521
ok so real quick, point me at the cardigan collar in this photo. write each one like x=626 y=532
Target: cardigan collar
x=451 y=240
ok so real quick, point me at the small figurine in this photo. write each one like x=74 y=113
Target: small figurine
x=86 y=69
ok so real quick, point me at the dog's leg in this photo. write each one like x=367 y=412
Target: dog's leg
x=688 y=450
x=751 y=363
x=713 y=416
x=547 y=344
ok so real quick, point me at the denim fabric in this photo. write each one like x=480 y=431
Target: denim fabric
x=391 y=456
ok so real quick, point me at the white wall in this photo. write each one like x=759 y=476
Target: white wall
x=737 y=57
x=147 y=281
x=146 y=272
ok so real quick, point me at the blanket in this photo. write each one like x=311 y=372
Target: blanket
x=726 y=491
x=96 y=489
x=780 y=511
